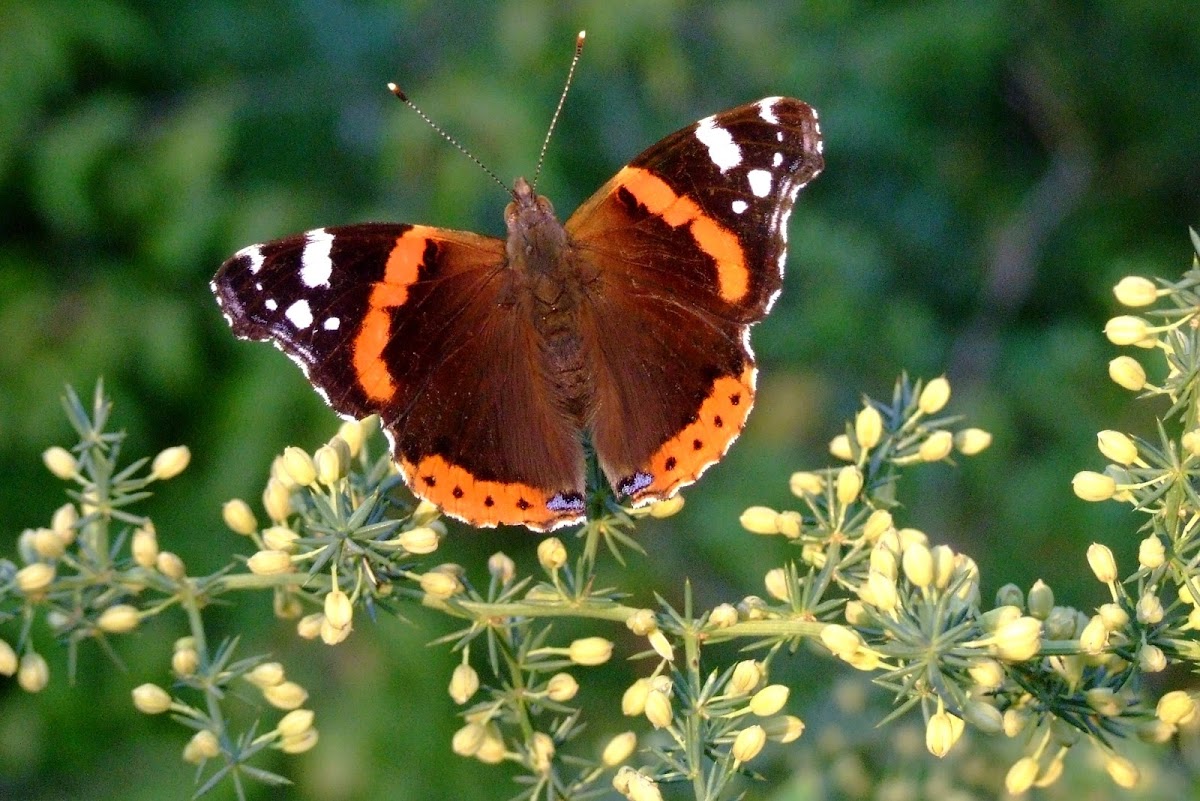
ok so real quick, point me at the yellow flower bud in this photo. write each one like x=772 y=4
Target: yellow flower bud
x=1151 y=658
x=839 y=448
x=1123 y=772
x=118 y=619
x=1127 y=372
x=849 y=484
x=1117 y=447
x=144 y=547
x=309 y=626
x=150 y=699
x=266 y=674
x=1092 y=486
x=338 y=609
x=280 y=538
x=658 y=709
x=541 y=752
x=987 y=673
x=746 y=675
x=760 y=520
x=777 y=585
x=972 y=441
x=170 y=462
x=661 y=645
x=936 y=446
x=1094 y=637
x=1177 y=708
x=277 y=500
x=868 y=427
x=941 y=732
x=1019 y=640
x=1100 y=559
x=439 y=584
x=633 y=701
x=1041 y=600
x=934 y=396
x=353 y=432
x=917 y=562
x=1133 y=290
x=804 y=483
x=551 y=553
x=464 y=683
x=1151 y=552
x=590 y=651
x=329 y=463
x=502 y=567
x=48 y=544
x=562 y=687
x=668 y=508
x=1104 y=701
x=1191 y=441
x=331 y=634
x=295 y=723
x=1155 y=731
x=785 y=728
x=1114 y=616
x=238 y=517
x=33 y=580
x=8 y=659
x=33 y=674
x=299 y=743
x=60 y=462
x=879 y=591
x=769 y=700
x=619 y=749
x=185 y=661
x=723 y=616
x=878 y=523
x=299 y=466
x=203 y=746
x=285 y=695
x=840 y=640
x=1021 y=775
x=170 y=565
x=467 y=740
x=1126 y=330
x=748 y=743
x=270 y=563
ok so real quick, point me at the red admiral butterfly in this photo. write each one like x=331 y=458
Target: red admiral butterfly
x=488 y=359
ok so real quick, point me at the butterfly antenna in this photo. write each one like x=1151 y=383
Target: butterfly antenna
x=399 y=93
x=561 y=99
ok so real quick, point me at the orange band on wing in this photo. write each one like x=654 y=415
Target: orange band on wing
x=720 y=243
x=489 y=503
x=683 y=458
x=402 y=270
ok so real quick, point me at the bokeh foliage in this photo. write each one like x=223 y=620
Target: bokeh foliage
x=992 y=168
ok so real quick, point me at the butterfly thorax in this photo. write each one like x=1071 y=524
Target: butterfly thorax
x=551 y=284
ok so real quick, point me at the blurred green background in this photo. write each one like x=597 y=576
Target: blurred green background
x=992 y=169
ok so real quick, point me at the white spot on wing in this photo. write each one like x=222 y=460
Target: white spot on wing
x=739 y=206
x=300 y=314
x=766 y=109
x=779 y=136
x=315 y=263
x=271 y=304
x=723 y=151
x=331 y=323
x=254 y=254
x=777 y=160
x=760 y=182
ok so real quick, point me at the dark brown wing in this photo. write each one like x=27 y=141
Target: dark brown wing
x=417 y=324
x=689 y=242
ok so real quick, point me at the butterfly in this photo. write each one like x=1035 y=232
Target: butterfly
x=491 y=361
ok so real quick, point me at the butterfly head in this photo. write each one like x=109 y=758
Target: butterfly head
x=532 y=226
